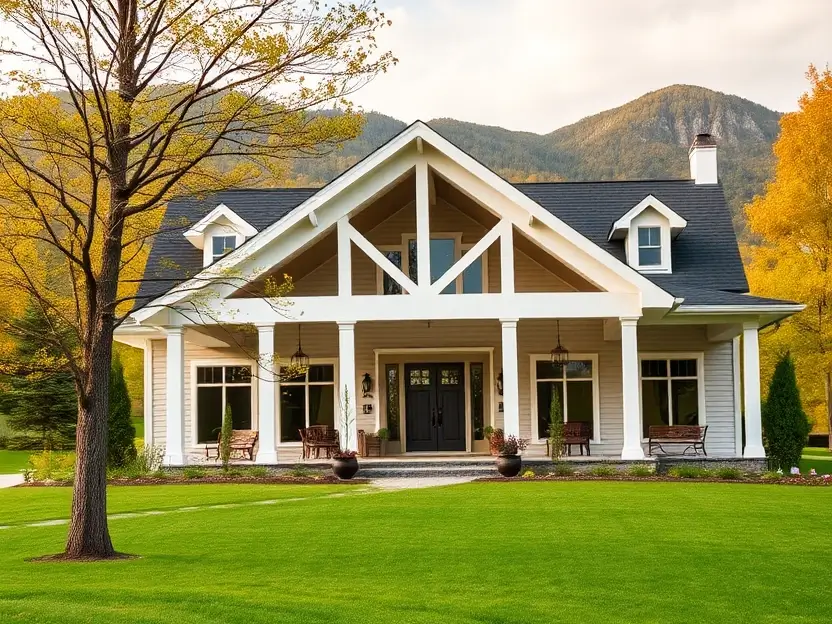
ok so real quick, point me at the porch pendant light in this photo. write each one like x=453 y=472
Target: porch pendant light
x=300 y=360
x=560 y=355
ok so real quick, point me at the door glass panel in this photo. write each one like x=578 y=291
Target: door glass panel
x=420 y=377
x=393 y=420
x=292 y=412
x=477 y=409
x=449 y=377
x=472 y=278
x=322 y=405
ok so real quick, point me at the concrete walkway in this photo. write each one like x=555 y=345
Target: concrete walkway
x=406 y=483
x=10 y=480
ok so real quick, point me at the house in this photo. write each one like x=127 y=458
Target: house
x=432 y=293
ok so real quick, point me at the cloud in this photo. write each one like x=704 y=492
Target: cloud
x=540 y=64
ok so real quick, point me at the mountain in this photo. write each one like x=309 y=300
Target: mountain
x=646 y=138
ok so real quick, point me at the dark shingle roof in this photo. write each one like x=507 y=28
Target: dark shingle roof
x=707 y=268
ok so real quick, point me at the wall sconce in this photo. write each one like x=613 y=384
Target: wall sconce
x=500 y=383
x=367 y=385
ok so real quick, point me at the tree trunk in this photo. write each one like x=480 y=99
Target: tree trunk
x=829 y=408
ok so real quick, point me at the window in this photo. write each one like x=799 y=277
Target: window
x=216 y=388
x=444 y=252
x=574 y=384
x=307 y=400
x=222 y=245
x=392 y=381
x=669 y=392
x=649 y=246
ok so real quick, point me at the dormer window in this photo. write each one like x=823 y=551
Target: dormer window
x=650 y=246
x=222 y=245
x=219 y=233
x=648 y=230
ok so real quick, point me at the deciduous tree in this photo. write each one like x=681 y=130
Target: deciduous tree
x=123 y=104
x=793 y=221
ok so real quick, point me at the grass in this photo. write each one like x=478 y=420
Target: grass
x=12 y=462
x=482 y=552
x=138 y=424
x=818 y=458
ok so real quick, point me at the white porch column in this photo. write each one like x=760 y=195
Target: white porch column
x=346 y=384
x=266 y=395
x=630 y=391
x=175 y=395
x=751 y=391
x=511 y=379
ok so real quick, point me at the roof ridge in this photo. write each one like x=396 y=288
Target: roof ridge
x=641 y=180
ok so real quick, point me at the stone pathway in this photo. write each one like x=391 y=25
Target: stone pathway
x=378 y=486
x=10 y=480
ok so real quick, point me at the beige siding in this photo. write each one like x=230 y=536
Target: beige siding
x=320 y=342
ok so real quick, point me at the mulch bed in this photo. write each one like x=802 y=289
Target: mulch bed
x=181 y=480
x=816 y=482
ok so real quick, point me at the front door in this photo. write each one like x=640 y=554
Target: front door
x=435 y=407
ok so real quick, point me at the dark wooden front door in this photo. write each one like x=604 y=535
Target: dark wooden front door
x=435 y=407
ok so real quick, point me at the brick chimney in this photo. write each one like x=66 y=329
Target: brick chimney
x=702 y=156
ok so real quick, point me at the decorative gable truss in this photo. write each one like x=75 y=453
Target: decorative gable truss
x=619 y=291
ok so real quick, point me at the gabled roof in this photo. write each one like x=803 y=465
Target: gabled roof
x=195 y=233
x=622 y=226
x=416 y=133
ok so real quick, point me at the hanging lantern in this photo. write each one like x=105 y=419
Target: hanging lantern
x=560 y=355
x=300 y=360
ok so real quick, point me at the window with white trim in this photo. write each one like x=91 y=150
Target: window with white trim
x=218 y=387
x=670 y=392
x=649 y=246
x=574 y=383
x=306 y=400
x=221 y=245
x=445 y=250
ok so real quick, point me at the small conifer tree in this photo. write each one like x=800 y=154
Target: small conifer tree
x=121 y=434
x=225 y=437
x=555 y=425
x=785 y=425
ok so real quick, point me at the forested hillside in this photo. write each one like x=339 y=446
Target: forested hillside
x=646 y=138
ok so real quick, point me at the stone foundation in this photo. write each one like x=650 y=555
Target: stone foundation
x=755 y=466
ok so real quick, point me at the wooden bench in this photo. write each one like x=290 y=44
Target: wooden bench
x=243 y=442
x=574 y=433
x=692 y=436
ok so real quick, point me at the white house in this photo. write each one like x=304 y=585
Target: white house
x=444 y=288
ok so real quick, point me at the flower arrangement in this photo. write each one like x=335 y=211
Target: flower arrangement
x=512 y=445
x=795 y=471
x=344 y=454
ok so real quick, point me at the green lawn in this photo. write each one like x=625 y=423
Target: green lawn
x=13 y=461
x=476 y=553
x=817 y=458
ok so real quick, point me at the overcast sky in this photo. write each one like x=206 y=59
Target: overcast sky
x=540 y=64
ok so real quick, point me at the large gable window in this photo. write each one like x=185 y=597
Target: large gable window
x=216 y=388
x=671 y=392
x=649 y=246
x=445 y=250
x=222 y=245
x=306 y=400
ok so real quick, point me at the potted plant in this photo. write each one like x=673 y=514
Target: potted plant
x=495 y=439
x=508 y=461
x=345 y=460
x=383 y=435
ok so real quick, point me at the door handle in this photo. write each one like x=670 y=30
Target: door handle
x=433 y=418
x=439 y=415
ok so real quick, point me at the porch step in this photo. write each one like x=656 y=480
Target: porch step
x=373 y=471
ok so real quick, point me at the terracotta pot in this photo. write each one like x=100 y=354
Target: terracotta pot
x=509 y=465
x=345 y=467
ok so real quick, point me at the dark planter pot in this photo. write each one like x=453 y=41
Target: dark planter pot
x=509 y=465
x=345 y=467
